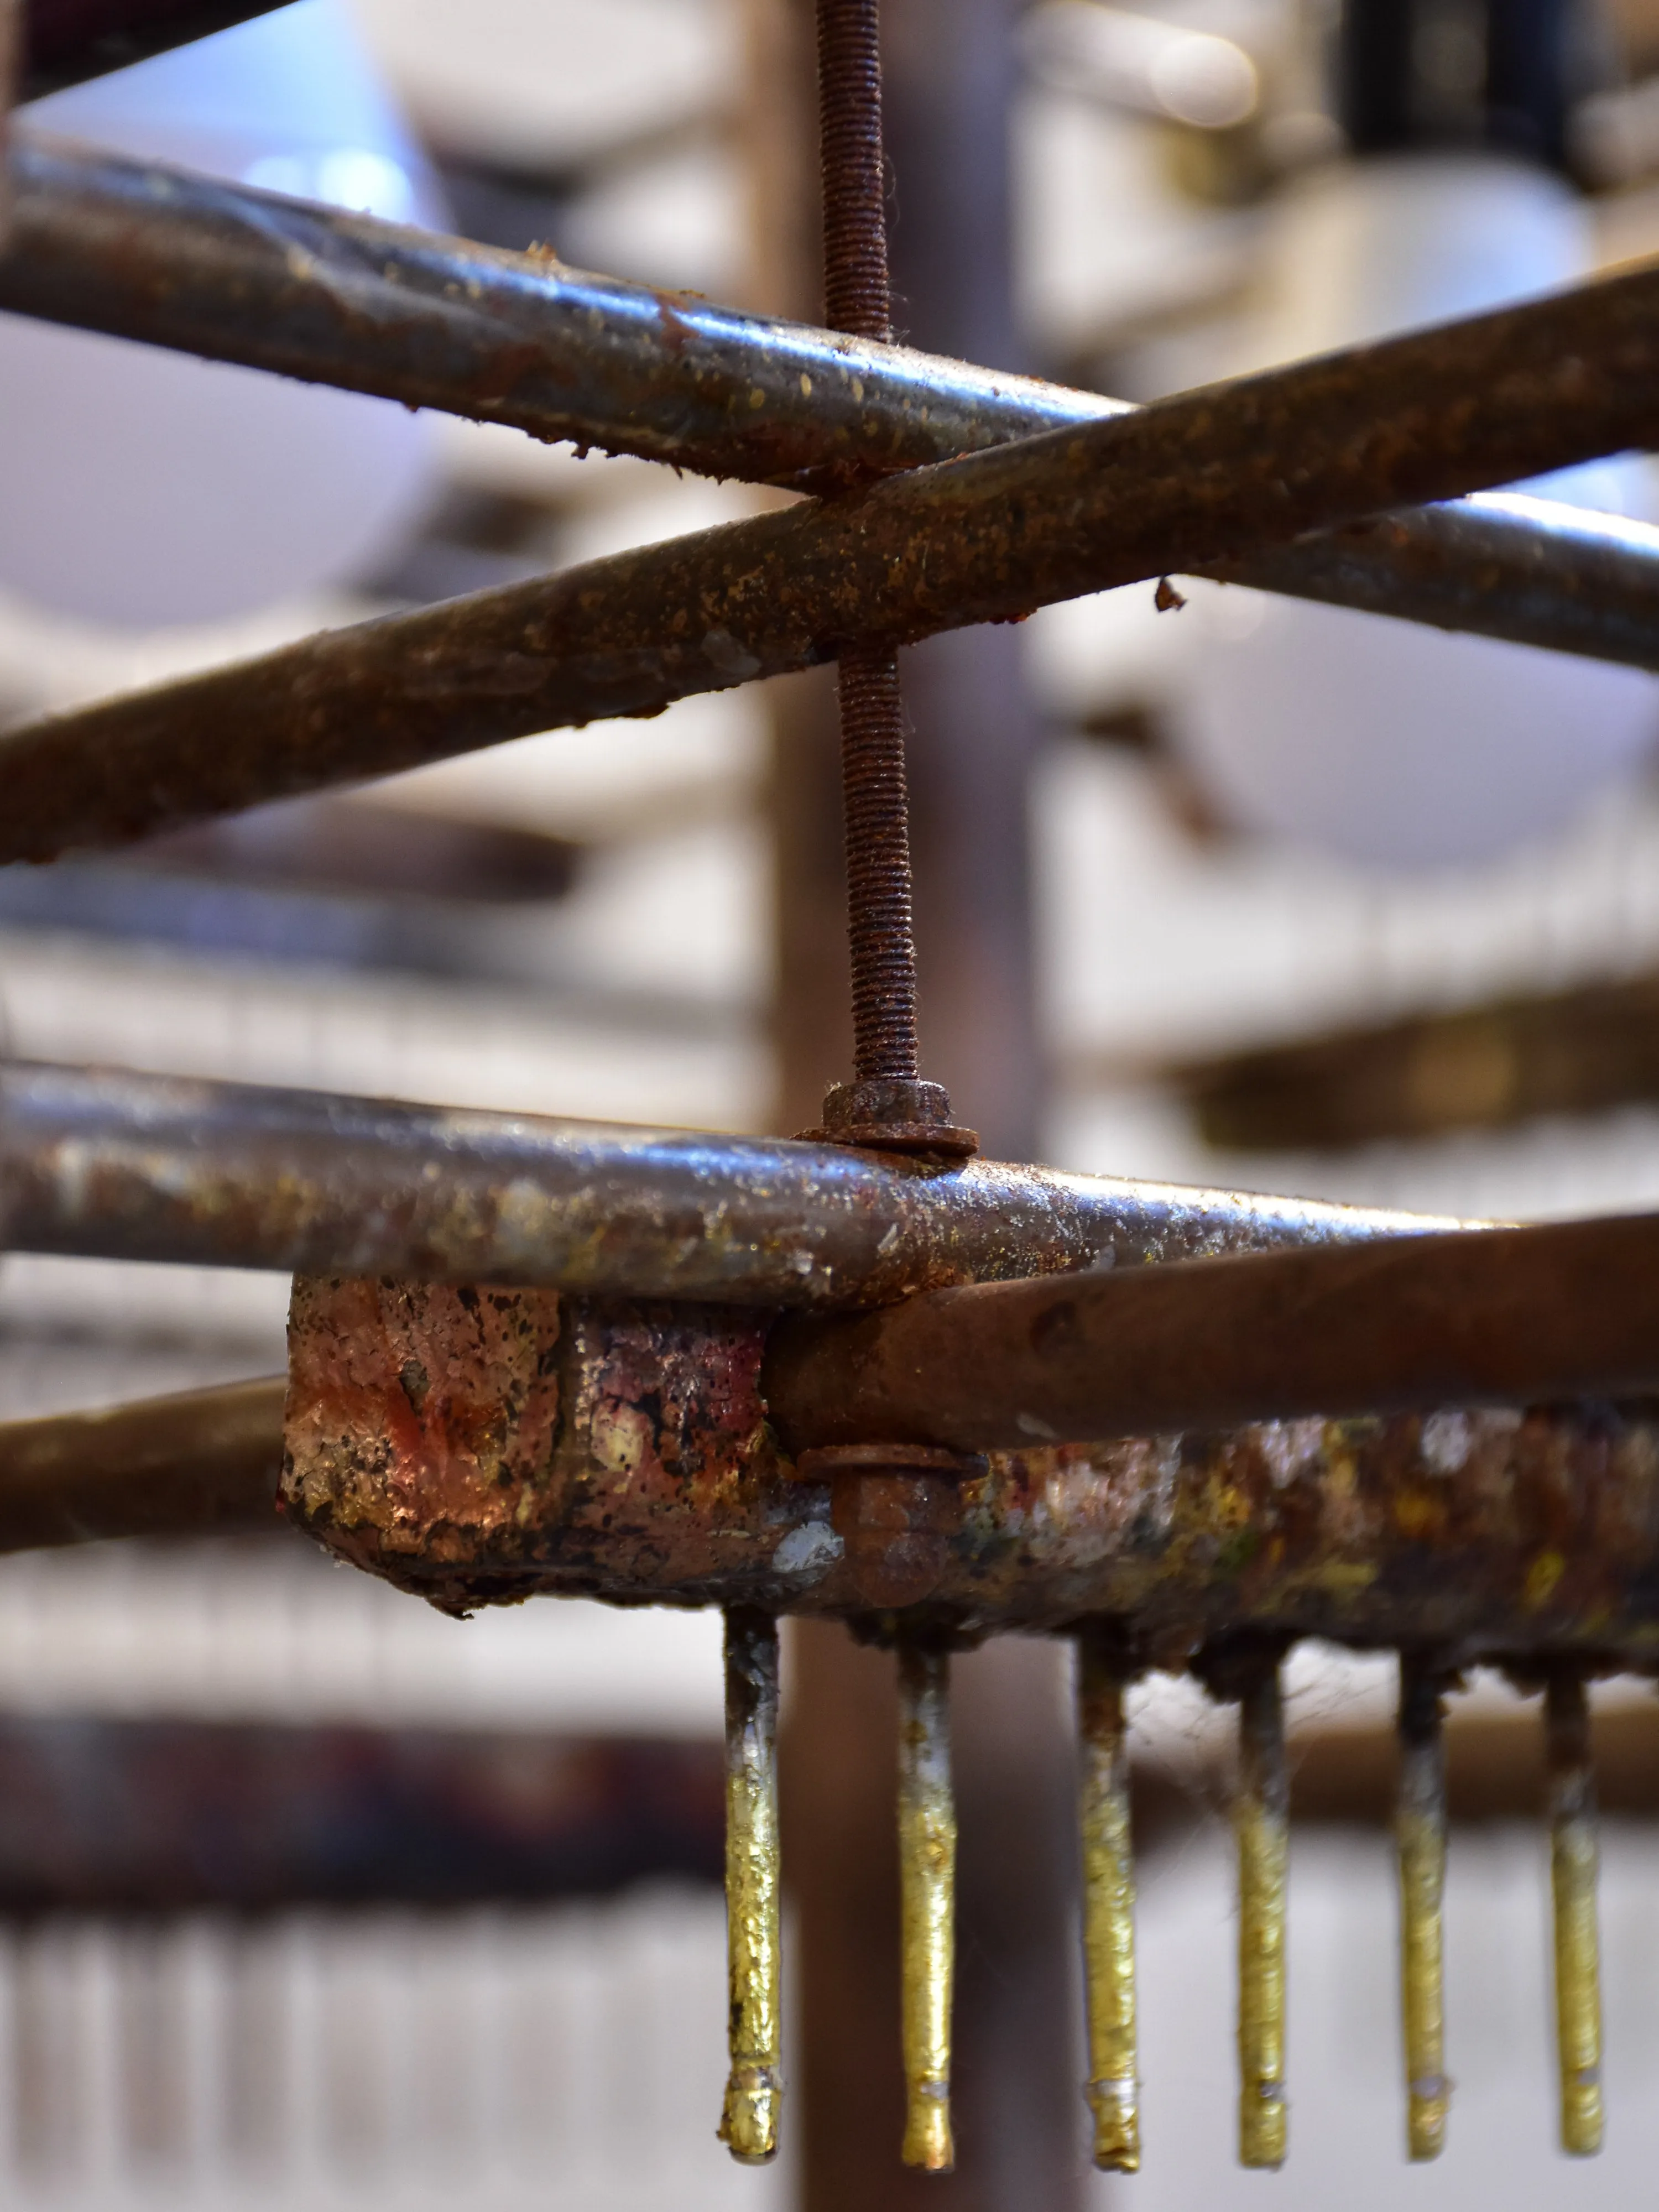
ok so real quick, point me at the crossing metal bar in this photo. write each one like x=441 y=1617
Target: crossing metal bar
x=120 y=1165
x=143 y=252
x=1188 y=483
x=1553 y=1311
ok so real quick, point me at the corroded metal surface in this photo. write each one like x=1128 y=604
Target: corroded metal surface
x=1204 y=478
x=1566 y=1310
x=657 y=1479
x=123 y=1165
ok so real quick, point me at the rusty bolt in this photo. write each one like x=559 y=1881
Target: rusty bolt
x=895 y=1508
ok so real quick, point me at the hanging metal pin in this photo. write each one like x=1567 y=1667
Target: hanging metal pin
x=928 y=1876
x=1420 y=1847
x=1261 y=1824
x=753 y=2088
x=1109 y=1905
x=1573 y=1856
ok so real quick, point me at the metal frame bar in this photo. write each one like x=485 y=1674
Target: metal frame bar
x=155 y=254
x=1190 y=483
x=122 y=1165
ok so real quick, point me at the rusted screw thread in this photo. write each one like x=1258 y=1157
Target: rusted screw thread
x=855 y=288
x=879 y=895
x=856 y=299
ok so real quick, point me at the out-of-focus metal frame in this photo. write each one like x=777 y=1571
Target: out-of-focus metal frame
x=936 y=1398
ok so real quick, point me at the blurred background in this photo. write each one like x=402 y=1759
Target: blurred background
x=308 y=1895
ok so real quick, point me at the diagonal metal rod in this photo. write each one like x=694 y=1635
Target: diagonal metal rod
x=1507 y=1317
x=157 y=254
x=1184 y=485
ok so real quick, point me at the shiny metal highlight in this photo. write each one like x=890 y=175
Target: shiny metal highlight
x=1420 y=1846
x=1262 y=1823
x=753 y=2088
x=1573 y=1866
x=928 y=1876
x=1113 y=2089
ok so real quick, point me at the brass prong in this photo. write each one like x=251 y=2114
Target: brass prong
x=753 y=2088
x=1573 y=1858
x=1261 y=1822
x=928 y=1876
x=1109 y=1906
x=1420 y=1846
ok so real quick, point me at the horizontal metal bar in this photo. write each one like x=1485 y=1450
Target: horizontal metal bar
x=198 y=1463
x=1567 y=1309
x=143 y=252
x=1186 y=484
x=634 y=1462
x=121 y=1166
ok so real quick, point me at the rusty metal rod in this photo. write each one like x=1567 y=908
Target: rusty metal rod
x=1261 y=1830
x=1419 y=1825
x=1574 y=1863
x=1511 y=1316
x=192 y=1464
x=144 y=252
x=1188 y=483
x=120 y=1165
x=158 y=254
x=1106 y=1850
x=754 y=1892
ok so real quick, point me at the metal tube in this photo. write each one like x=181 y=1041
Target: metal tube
x=1183 y=485
x=1262 y=1824
x=120 y=1165
x=1109 y=1905
x=140 y=250
x=1573 y=1863
x=143 y=252
x=753 y=2088
x=1505 y=1317
x=1420 y=1849
x=191 y=1464
x=928 y=1877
